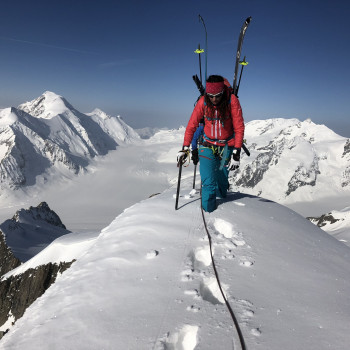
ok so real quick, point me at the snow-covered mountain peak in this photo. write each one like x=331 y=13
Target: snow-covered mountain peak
x=40 y=213
x=48 y=135
x=99 y=113
x=113 y=126
x=31 y=230
x=294 y=160
x=8 y=116
x=47 y=106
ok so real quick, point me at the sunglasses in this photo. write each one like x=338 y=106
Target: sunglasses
x=216 y=95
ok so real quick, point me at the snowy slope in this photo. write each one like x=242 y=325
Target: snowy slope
x=293 y=161
x=114 y=126
x=69 y=128
x=336 y=223
x=147 y=282
x=48 y=136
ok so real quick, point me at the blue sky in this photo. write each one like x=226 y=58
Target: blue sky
x=136 y=58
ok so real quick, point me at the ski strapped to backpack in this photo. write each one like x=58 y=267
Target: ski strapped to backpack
x=238 y=53
x=206 y=47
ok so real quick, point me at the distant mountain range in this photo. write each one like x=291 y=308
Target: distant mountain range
x=293 y=161
x=336 y=223
x=48 y=135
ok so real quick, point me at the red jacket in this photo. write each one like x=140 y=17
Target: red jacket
x=216 y=129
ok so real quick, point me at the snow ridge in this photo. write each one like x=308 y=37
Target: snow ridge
x=150 y=276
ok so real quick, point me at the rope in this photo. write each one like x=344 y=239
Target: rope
x=234 y=319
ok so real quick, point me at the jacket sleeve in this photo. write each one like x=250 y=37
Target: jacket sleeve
x=196 y=136
x=193 y=123
x=237 y=121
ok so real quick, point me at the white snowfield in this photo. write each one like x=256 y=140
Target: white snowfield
x=295 y=161
x=147 y=282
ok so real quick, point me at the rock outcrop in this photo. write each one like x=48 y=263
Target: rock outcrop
x=7 y=259
x=17 y=292
x=28 y=232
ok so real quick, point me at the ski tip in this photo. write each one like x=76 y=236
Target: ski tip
x=248 y=19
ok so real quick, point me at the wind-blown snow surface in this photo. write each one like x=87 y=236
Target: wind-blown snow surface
x=147 y=282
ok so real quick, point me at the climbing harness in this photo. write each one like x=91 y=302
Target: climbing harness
x=219 y=152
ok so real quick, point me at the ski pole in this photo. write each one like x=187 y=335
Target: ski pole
x=199 y=51
x=242 y=63
x=245 y=149
x=179 y=164
x=194 y=176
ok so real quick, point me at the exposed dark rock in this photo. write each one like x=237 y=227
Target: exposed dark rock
x=19 y=292
x=346 y=177
x=31 y=230
x=154 y=194
x=303 y=177
x=7 y=260
x=323 y=220
x=346 y=148
x=254 y=173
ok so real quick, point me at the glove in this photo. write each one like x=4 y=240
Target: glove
x=233 y=164
x=183 y=155
x=195 y=158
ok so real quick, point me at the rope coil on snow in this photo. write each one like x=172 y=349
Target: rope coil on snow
x=234 y=319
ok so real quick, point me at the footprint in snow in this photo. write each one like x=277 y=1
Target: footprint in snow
x=201 y=257
x=152 y=254
x=256 y=332
x=247 y=262
x=247 y=314
x=246 y=307
x=187 y=275
x=227 y=230
x=223 y=227
x=193 y=292
x=210 y=291
x=184 y=339
x=228 y=254
x=193 y=308
x=238 y=241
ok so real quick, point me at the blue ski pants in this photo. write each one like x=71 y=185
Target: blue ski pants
x=214 y=174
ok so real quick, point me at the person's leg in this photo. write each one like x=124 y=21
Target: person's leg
x=222 y=176
x=208 y=177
